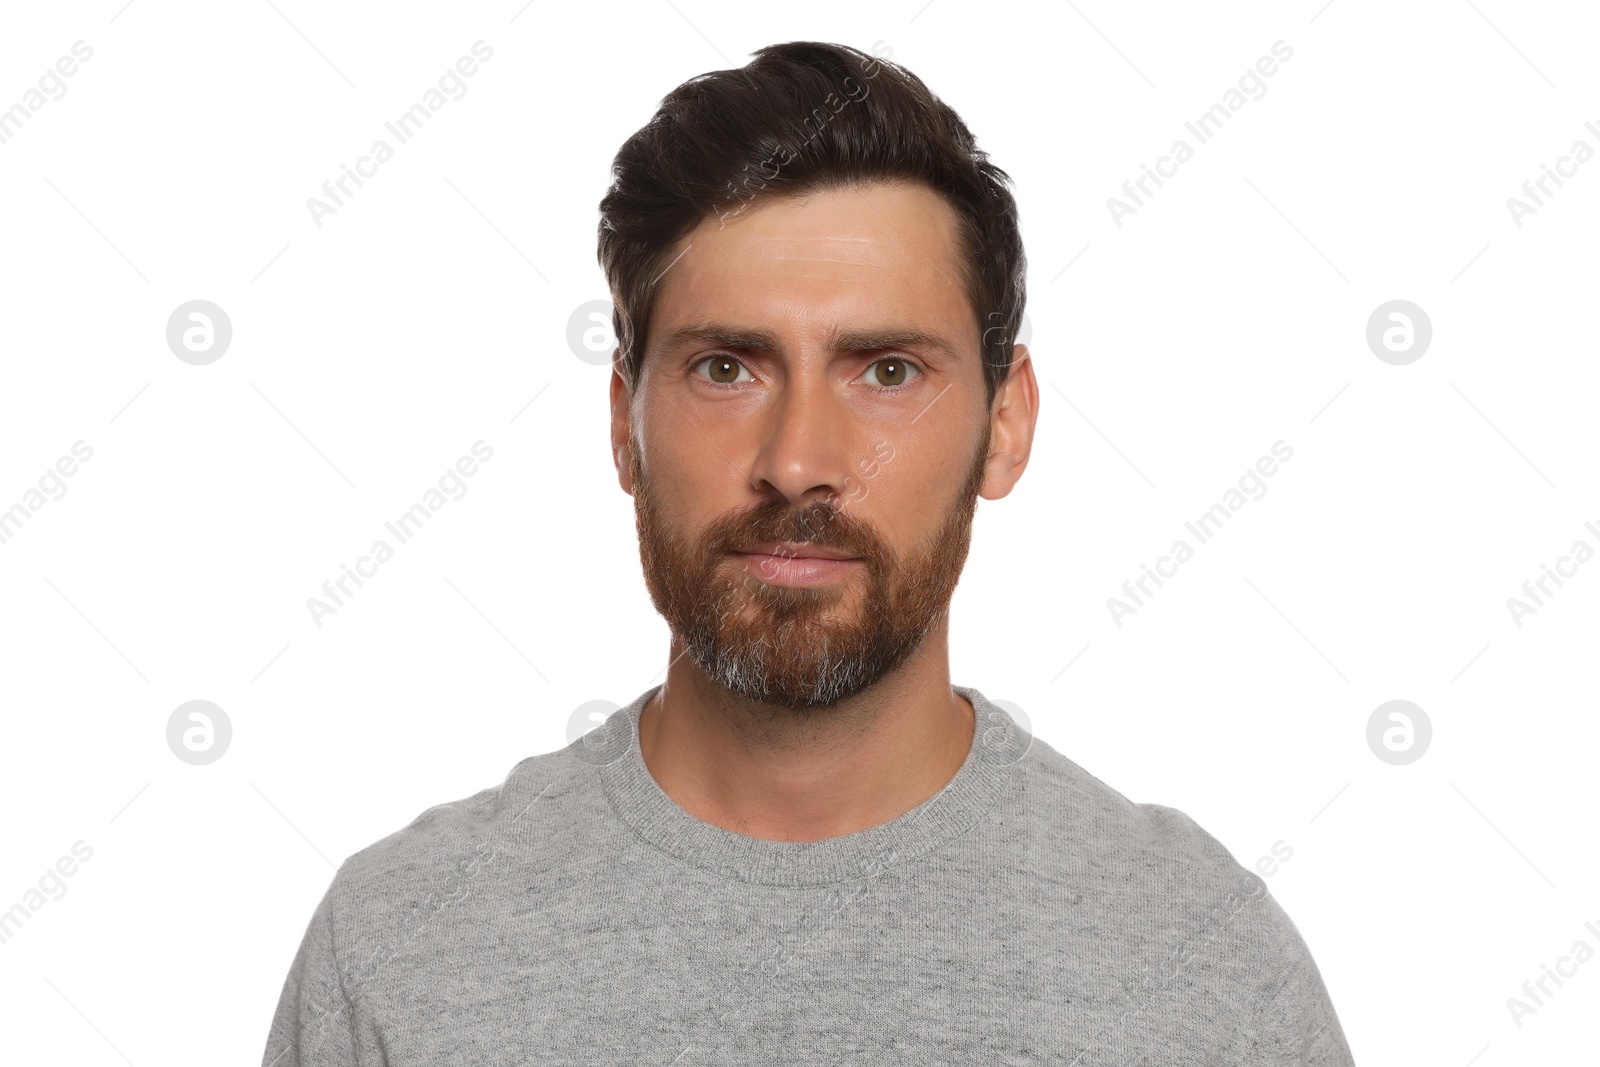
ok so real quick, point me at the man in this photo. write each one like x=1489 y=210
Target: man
x=806 y=845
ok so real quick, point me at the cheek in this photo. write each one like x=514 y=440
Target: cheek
x=923 y=469
x=911 y=495
x=690 y=483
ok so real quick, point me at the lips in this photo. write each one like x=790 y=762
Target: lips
x=801 y=565
x=796 y=550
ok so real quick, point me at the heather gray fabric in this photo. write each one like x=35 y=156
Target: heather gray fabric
x=1025 y=914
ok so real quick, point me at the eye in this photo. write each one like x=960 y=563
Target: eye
x=723 y=370
x=890 y=373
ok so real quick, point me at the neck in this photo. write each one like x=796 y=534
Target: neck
x=803 y=775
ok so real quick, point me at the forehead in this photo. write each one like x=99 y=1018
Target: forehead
x=879 y=254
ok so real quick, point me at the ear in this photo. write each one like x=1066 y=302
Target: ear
x=621 y=414
x=1012 y=418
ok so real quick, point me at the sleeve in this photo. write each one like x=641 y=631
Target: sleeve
x=1294 y=1022
x=314 y=1025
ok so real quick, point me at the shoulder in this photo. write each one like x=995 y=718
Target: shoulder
x=1182 y=917
x=1106 y=819
x=1156 y=868
x=450 y=852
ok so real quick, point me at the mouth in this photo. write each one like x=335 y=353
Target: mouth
x=796 y=550
x=796 y=564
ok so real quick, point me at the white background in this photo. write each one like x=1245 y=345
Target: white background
x=368 y=354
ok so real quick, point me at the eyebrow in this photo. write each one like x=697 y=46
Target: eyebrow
x=727 y=335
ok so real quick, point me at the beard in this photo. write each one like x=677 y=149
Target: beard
x=800 y=647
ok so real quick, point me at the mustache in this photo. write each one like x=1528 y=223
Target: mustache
x=822 y=523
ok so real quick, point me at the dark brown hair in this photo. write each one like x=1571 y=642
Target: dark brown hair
x=799 y=118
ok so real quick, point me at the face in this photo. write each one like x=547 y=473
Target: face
x=808 y=438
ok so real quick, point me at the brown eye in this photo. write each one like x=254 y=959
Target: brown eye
x=892 y=372
x=724 y=370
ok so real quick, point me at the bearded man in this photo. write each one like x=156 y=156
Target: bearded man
x=806 y=846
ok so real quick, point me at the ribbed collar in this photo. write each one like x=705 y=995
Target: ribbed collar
x=613 y=748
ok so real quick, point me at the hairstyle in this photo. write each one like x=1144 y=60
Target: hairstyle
x=799 y=118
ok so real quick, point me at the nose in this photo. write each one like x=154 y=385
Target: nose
x=804 y=445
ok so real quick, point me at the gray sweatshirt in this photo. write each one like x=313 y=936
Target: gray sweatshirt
x=1027 y=913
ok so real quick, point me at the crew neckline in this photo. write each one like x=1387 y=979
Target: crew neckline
x=613 y=747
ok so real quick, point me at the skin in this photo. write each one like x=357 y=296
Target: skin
x=796 y=425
